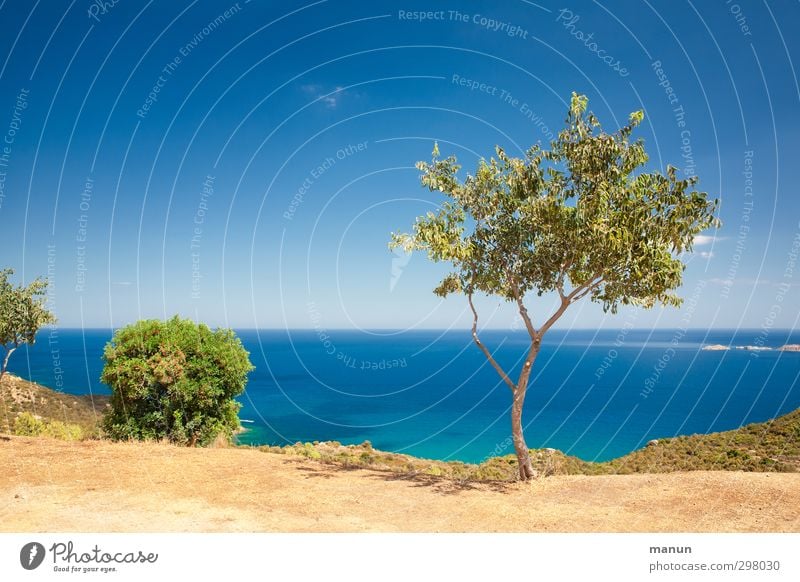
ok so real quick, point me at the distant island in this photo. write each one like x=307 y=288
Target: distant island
x=722 y=348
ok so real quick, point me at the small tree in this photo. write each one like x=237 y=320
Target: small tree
x=22 y=314
x=174 y=380
x=580 y=220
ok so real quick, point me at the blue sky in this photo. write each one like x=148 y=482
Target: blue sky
x=244 y=163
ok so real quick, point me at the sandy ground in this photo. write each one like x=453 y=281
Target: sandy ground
x=56 y=486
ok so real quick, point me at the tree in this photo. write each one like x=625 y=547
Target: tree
x=22 y=314
x=174 y=380
x=582 y=219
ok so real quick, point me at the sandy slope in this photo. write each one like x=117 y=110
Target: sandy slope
x=48 y=485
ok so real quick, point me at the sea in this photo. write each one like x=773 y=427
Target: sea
x=596 y=394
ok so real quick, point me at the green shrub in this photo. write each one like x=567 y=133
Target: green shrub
x=64 y=431
x=174 y=380
x=26 y=424
x=309 y=451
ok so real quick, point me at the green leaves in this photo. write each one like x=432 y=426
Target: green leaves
x=22 y=313
x=450 y=284
x=174 y=380
x=577 y=105
x=580 y=219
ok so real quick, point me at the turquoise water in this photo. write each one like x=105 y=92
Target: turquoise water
x=595 y=394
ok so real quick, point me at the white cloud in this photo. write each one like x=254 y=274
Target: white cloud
x=331 y=99
x=723 y=282
x=706 y=254
x=744 y=281
x=703 y=239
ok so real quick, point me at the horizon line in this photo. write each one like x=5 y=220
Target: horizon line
x=440 y=329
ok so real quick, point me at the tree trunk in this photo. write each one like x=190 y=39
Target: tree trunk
x=519 y=389
x=526 y=470
x=523 y=453
x=5 y=362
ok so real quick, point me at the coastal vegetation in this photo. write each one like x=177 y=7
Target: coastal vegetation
x=174 y=380
x=27 y=424
x=22 y=313
x=19 y=397
x=582 y=219
x=772 y=446
x=27 y=409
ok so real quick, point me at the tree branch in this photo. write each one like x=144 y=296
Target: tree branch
x=576 y=294
x=594 y=282
x=485 y=351
x=560 y=280
x=553 y=318
x=523 y=311
x=588 y=290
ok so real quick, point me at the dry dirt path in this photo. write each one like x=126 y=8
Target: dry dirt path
x=57 y=486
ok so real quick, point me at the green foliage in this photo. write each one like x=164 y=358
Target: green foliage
x=772 y=446
x=766 y=446
x=582 y=219
x=174 y=380
x=26 y=424
x=22 y=313
x=309 y=450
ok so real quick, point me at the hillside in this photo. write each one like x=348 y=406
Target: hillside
x=772 y=446
x=18 y=395
x=765 y=446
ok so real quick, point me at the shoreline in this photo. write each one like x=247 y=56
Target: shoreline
x=719 y=449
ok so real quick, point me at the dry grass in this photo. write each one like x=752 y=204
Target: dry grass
x=18 y=396
x=51 y=485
